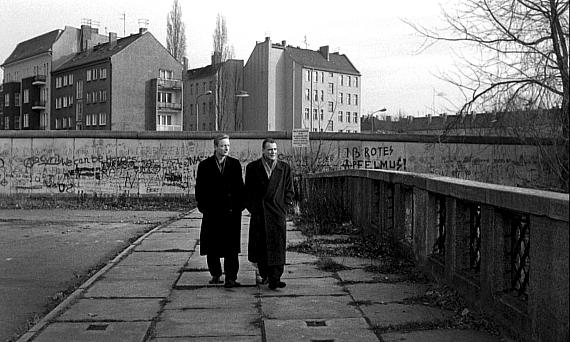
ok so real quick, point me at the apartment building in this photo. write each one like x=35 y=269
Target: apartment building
x=290 y=87
x=213 y=96
x=27 y=74
x=127 y=84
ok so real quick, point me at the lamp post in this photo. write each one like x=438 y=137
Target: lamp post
x=371 y=115
x=241 y=94
x=197 y=107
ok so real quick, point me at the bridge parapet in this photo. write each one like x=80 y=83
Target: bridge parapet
x=506 y=249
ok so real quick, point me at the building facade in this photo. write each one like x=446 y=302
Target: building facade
x=27 y=74
x=127 y=84
x=214 y=96
x=292 y=88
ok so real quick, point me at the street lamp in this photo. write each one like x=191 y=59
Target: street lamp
x=197 y=106
x=241 y=94
x=372 y=115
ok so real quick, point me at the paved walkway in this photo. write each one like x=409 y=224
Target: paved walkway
x=157 y=290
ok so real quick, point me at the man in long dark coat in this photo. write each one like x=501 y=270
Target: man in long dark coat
x=269 y=189
x=220 y=197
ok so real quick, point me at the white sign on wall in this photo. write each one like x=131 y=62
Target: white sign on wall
x=300 y=137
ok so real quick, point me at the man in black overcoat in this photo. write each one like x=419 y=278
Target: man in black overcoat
x=269 y=189
x=220 y=198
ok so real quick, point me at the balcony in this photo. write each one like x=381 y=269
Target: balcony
x=169 y=105
x=170 y=84
x=39 y=80
x=39 y=105
x=168 y=128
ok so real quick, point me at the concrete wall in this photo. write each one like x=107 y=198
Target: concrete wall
x=157 y=163
x=535 y=305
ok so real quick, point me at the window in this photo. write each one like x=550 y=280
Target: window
x=6 y=100
x=64 y=81
x=340 y=118
x=349 y=81
x=103 y=73
x=87 y=120
x=341 y=97
x=331 y=106
x=192 y=89
x=165 y=74
x=26 y=120
x=102 y=119
x=26 y=95
x=17 y=122
x=70 y=101
x=355 y=117
x=104 y=96
x=348 y=98
x=322 y=77
x=64 y=123
x=331 y=88
x=331 y=74
x=88 y=97
x=322 y=95
x=308 y=73
x=315 y=114
x=341 y=80
x=94 y=74
x=7 y=123
x=165 y=120
x=348 y=117
x=356 y=82
x=315 y=76
x=57 y=124
x=58 y=82
x=355 y=99
x=307 y=114
x=316 y=95
x=17 y=99
x=164 y=97
x=322 y=114
x=88 y=75
x=100 y=96
x=79 y=112
x=307 y=94
x=70 y=81
x=79 y=89
x=94 y=97
x=65 y=102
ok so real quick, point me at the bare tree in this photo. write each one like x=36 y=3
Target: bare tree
x=176 y=32
x=517 y=61
x=222 y=49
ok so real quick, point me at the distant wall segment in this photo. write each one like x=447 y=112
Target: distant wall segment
x=164 y=163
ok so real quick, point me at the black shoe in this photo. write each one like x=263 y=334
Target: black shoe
x=231 y=283
x=215 y=280
x=276 y=284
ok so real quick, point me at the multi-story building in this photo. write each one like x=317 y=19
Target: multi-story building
x=213 y=96
x=127 y=84
x=290 y=87
x=27 y=74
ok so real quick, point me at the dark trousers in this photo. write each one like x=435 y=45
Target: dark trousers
x=270 y=272
x=231 y=266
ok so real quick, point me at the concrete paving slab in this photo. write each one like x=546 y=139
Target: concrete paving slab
x=94 y=332
x=385 y=293
x=384 y=315
x=360 y=275
x=189 y=232
x=157 y=244
x=156 y=258
x=209 y=322
x=210 y=339
x=186 y=223
x=306 y=287
x=308 y=307
x=352 y=262
x=293 y=258
x=120 y=272
x=303 y=271
x=212 y=298
x=200 y=279
x=452 y=335
x=337 y=330
x=129 y=289
x=130 y=310
x=295 y=237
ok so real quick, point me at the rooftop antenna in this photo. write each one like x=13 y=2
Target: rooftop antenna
x=143 y=22
x=306 y=42
x=124 y=19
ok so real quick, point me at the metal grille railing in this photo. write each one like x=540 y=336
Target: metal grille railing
x=390 y=207
x=475 y=238
x=439 y=245
x=517 y=257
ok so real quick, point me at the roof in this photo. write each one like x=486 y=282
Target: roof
x=206 y=71
x=311 y=58
x=33 y=47
x=99 y=52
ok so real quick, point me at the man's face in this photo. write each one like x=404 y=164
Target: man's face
x=270 y=151
x=223 y=148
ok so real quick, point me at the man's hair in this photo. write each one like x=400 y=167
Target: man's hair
x=220 y=137
x=267 y=141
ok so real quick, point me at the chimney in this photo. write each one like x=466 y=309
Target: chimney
x=112 y=39
x=324 y=51
x=142 y=30
x=185 y=63
x=216 y=58
x=283 y=43
x=85 y=37
x=429 y=119
x=388 y=118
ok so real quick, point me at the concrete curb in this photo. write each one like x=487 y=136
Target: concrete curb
x=34 y=330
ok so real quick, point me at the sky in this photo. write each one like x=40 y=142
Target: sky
x=372 y=34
